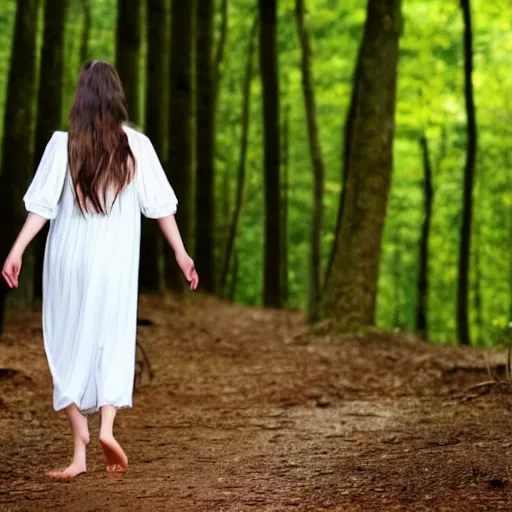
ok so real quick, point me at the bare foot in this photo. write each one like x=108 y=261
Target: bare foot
x=78 y=465
x=117 y=461
x=74 y=469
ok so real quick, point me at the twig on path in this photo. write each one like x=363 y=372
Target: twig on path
x=142 y=365
x=485 y=388
x=489 y=383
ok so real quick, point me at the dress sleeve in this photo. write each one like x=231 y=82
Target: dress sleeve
x=156 y=196
x=43 y=195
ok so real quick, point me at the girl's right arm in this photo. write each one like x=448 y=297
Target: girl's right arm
x=12 y=265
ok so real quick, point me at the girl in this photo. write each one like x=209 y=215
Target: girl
x=93 y=183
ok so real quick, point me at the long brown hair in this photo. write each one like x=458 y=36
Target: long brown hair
x=100 y=159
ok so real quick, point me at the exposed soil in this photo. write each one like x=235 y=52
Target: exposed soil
x=248 y=410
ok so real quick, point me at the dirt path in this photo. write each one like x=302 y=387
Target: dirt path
x=247 y=411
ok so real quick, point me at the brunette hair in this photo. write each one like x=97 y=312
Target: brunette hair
x=101 y=162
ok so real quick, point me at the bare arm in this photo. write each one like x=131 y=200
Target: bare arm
x=12 y=266
x=30 y=229
x=171 y=233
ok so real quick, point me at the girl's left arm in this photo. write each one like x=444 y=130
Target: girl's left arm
x=12 y=265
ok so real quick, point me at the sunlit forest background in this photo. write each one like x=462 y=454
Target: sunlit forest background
x=431 y=130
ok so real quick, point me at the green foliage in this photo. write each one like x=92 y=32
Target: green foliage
x=430 y=101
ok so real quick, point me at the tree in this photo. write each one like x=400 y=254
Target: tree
x=508 y=238
x=219 y=54
x=317 y=160
x=347 y=139
x=181 y=126
x=49 y=103
x=463 y=330
x=17 y=143
x=152 y=265
x=350 y=294
x=86 y=31
x=423 y=282
x=241 y=174
x=128 y=53
x=285 y=202
x=205 y=137
x=272 y=293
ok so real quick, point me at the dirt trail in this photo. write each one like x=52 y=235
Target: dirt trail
x=249 y=411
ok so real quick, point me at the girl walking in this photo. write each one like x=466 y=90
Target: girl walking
x=93 y=183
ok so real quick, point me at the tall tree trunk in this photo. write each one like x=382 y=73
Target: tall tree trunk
x=423 y=282
x=49 y=105
x=205 y=136
x=17 y=144
x=317 y=162
x=397 y=267
x=151 y=267
x=285 y=187
x=223 y=213
x=508 y=216
x=86 y=31
x=128 y=53
x=479 y=320
x=463 y=330
x=510 y=266
x=234 y=278
x=240 y=187
x=219 y=54
x=477 y=278
x=272 y=293
x=181 y=127
x=350 y=294
x=348 y=130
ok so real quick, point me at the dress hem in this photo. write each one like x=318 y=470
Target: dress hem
x=93 y=410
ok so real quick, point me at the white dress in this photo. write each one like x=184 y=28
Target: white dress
x=90 y=278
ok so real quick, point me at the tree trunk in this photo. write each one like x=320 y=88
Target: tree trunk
x=317 y=162
x=423 y=282
x=234 y=278
x=272 y=293
x=285 y=187
x=510 y=264
x=205 y=136
x=151 y=266
x=397 y=281
x=181 y=128
x=346 y=158
x=128 y=53
x=350 y=294
x=508 y=216
x=477 y=279
x=463 y=330
x=479 y=320
x=239 y=201
x=86 y=31
x=49 y=106
x=223 y=213
x=219 y=55
x=17 y=144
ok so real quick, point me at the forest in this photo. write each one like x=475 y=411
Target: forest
x=346 y=158
x=343 y=173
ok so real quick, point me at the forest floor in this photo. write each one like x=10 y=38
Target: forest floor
x=249 y=410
